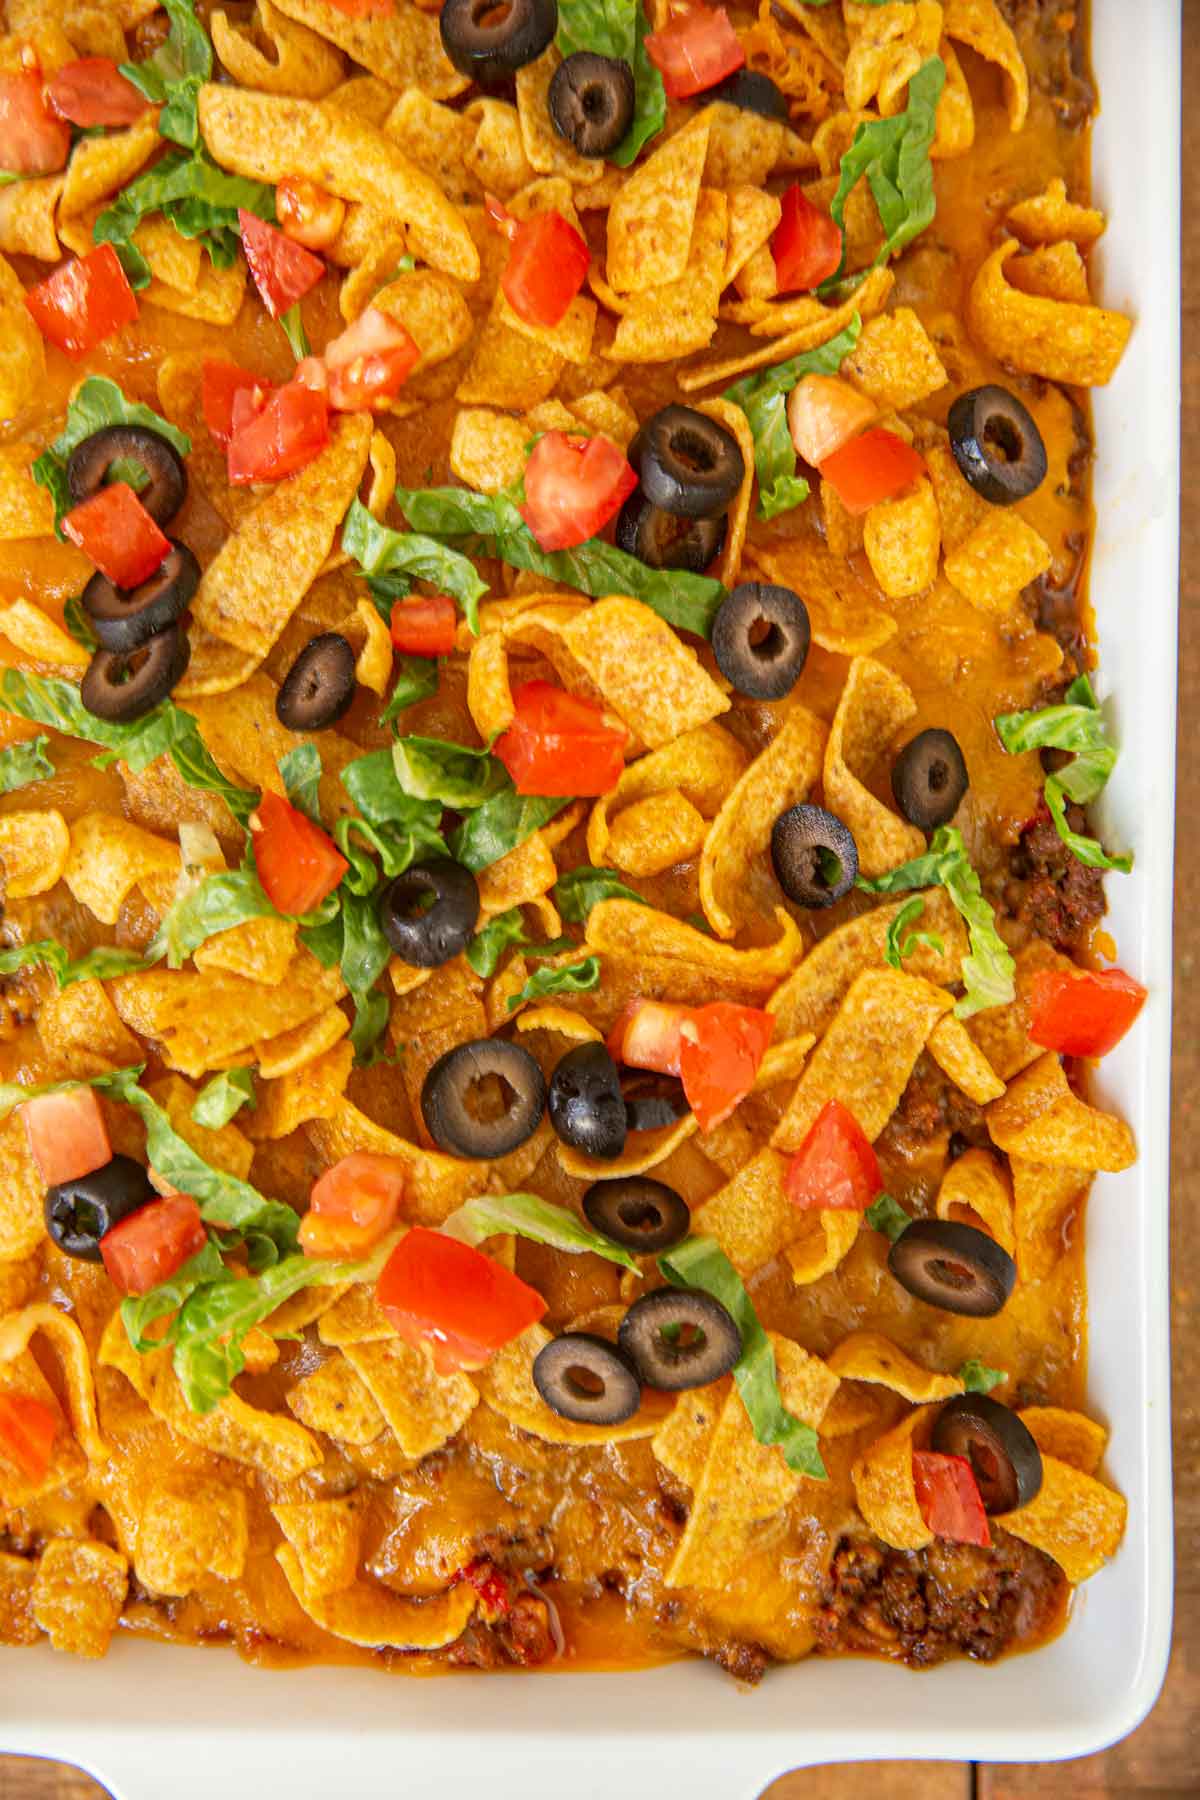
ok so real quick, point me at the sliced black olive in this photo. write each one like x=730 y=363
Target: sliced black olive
x=814 y=856
x=687 y=463
x=123 y=618
x=587 y=1379
x=760 y=638
x=997 y=445
x=953 y=1266
x=586 y=1107
x=753 y=92
x=929 y=778
x=1001 y=1450
x=591 y=101
x=652 y=1101
x=483 y=1099
x=680 y=1338
x=319 y=687
x=79 y=1212
x=643 y=1215
x=122 y=685
x=661 y=540
x=429 y=913
x=489 y=40
x=91 y=464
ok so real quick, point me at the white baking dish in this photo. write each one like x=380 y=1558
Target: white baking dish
x=154 y=1721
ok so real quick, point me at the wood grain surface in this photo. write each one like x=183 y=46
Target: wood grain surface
x=1162 y=1758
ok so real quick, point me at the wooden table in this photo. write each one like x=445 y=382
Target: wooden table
x=1162 y=1759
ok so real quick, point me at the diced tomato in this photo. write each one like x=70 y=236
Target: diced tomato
x=283 y=271
x=573 y=487
x=806 y=244
x=220 y=385
x=67 y=1134
x=353 y=1205
x=94 y=92
x=824 y=413
x=1083 y=1012
x=28 y=1429
x=462 y=1304
x=949 y=1499
x=835 y=1167
x=308 y=214
x=117 y=532
x=291 y=429
x=721 y=1048
x=297 y=862
x=694 y=51
x=424 y=625
x=370 y=362
x=149 y=1245
x=560 y=744
x=311 y=372
x=83 y=302
x=649 y=1035
x=547 y=267
x=871 y=468
x=32 y=140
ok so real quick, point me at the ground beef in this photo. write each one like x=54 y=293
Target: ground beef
x=931 y=1104
x=1052 y=37
x=745 y=1662
x=1051 y=891
x=924 y=1606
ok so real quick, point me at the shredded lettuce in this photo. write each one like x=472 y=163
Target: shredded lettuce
x=977 y=1378
x=23 y=764
x=763 y=398
x=95 y=404
x=583 y=887
x=527 y=1216
x=453 y=775
x=381 y=552
x=415 y=678
x=567 y=978
x=499 y=825
x=173 y=76
x=100 y=964
x=989 y=970
x=699 y=1262
x=222 y=1096
x=1077 y=725
x=901 y=942
x=893 y=155
x=301 y=771
x=506 y=931
x=887 y=1215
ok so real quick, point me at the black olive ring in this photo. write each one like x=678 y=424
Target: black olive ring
x=1000 y=1448
x=663 y=540
x=679 y=1338
x=448 y=1090
x=125 y=618
x=751 y=91
x=587 y=1108
x=760 y=639
x=428 y=935
x=591 y=101
x=640 y=1214
x=929 y=779
x=997 y=445
x=814 y=856
x=687 y=463
x=587 y=1379
x=953 y=1266
x=319 y=687
x=652 y=1100
x=90 y=462
x=120 y=685
x=79 y=1212
x=489 y=40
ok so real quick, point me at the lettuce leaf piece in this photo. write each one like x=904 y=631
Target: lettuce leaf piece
x=294 y=332
x=699 y=1262
x=379 y=551
x=224 y=1199
x=762 y=396
x=893 y=155
x=1077 y=725
x=301 y=771
x=500 y=824
x=100 y=964
x=901 y=942
x=583 y=887
x=166 y=731
x=416 y=678
x=95 y=404
x=569 y=978
x=373 y=784
x=365 y=954
x=887 y=1215
x=977 y=1378
x=78 y=624
x=507 y=930
x=490 y=525
x=454 y=775
x=989 y=970
x=223 y=1096
x=618 y=28
x=528 y=1216
x=141 y=1311
x=216 y=903
x=23 y=764
x=200 y=200
x=173 y=76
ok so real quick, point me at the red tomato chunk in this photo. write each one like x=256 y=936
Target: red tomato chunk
x=949 y=1498
x=560 y=744
x=298 y=864
x=547 y=267
x=835 y=1167
x=424 y=625
x=873 y=467
x=806 y=244
x=67 y=1135
x=369 y=363
x=32 y=140
x=722 y=1046
x=275 y=439
x=28 y=1429
x=152 y=1243
x=117 y=532
x=283 y=271
x=1083 y=1012
x=694 y=51
x=94 y=92
x=220 y=385
x=83 y=302
x=573 y=487
x=462 y=1304
x=353 y=1205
